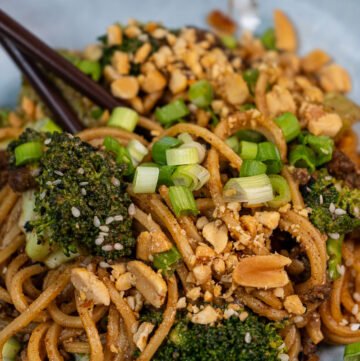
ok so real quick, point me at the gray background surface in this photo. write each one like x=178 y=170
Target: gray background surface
x=331 y=25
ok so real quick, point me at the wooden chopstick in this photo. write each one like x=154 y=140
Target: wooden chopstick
x=61 y=110
x=42 y=53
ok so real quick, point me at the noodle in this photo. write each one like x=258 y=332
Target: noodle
x=34 y=349
x=51 y=342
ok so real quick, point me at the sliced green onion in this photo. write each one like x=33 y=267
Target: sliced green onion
x=302 y=156
x=268 y=39
x=28 y=153
x=57 y=258
x=199 y=148
x=185 y=138
x=322 y=145
x=251 y=167
x=250 y=135
x=333 y=248
x=137 y=151
x=34 y=249
x=172 y=112
x=145 y=179
x=281 y=191
x=124 y=118
x=112 y=145
x=11 y=349
x=47 y=126
x=251 y=77
x=122 y=154
x=97 y=112
x=182 y=201
x=165 y=175
x=192 y=176
x=166 y=261
x=229 y=41
x=90 y=67
x=248 y=150
x=180 y=156
x=201 y=93
x=289 y=125
x=161 y=146
x=253 y=190
x=233 y=143
x=273 y=166
x=267 y=151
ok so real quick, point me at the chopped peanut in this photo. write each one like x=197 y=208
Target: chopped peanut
x=202 y=274
x=126 y=87
x=285 y=33
x=328 y=124
x=178 y=82
x=150 y=243
x=315 y=60
x=268 y=219
x=236 y=90
x=142 y=53
x=141 y=336
x=279 y=100
x=334 y=78
x=194 y=293
x=114 y=35
x=204 y=252
x=125 y=282
x=93 y=52
x=120 y=62
x=87 y=282
x=110 y=73
x=262 y=271
x=216 y=234
x=219 y=266
x=206 y=316
x=152 y=82
x=294 y=305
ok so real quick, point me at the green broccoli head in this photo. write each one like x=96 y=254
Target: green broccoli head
x=81 y=201
x=335 y=207
x=255 y=339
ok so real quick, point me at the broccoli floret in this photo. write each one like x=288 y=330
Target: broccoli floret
x=335 y=207
x=254 y=339
x=81 y=201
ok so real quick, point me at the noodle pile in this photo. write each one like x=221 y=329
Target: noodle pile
x=54 y=317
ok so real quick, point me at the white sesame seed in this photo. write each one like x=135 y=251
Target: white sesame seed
x=118 y=218
x=341 y=269
x=56 y=182
x=58 y=173
x=83 y=191
x=96 y=221
x=328 y=177
x=118 y=246
x=332 y=207
x=75 y=212
x=99 y=241
x=81 y=171
x=355 y=309
x=49 y=183
x=104 y=228
x=83 y=184
x=103 y=234
x=354 y=326
x=356 y=296
x=339 y=212
x=343 y=322
x=109 y=220
x=282 y=346
x=107 y=248
x=42 y=195
x=115 y=181
x=132 y=209
x=308 y=189
x=284 y=357
x=47 y=141
x=321 y=198
x=247 y=337
x=334 y=235
x=103 y=264
x=298 y=319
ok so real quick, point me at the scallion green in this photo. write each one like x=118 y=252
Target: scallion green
x=47 y=126
x=248 y=150
x=333 y=248
x=37 y=251
x=302 y=156
x=192 y=176
x=58 y=257
x=253 y=190
x=90 y=67
x=160 y=147
x=250 y=135
x=182 y=201
x=281 y=191
x=181 y=156
x=137 y=151
x=251 y=167
x=145 y=179
x=268 y=39
x=125 y=118
x=172 y=112
x=166 y=261
x=112 y=145
x=352 y=352
x=289 y=125
x=11 y=349
x=229 y=41
x=322 y=145
x=201 y=93
x=28 y=152
x=251 y=77
x=269 y=154
x=165 y=175
x=233 y=143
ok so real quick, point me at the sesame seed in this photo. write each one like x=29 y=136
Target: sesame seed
x=49 y=183
x=354 y=326
x=118 y=218
x=321 y=198
x=343 y=322
x=298 y=319
x=96 y=221
x=308 y=189
x=107 y=248
x=75 y=212
x=56 y=182
x=103 y=264
x=115 y=181
x=42 y=195
x=118 y=246
x=355 y=309
x=284 y=357
x=132 y=209
x=83 y=184
x=104 y=228
x=81 y=171
x=247 y=337
x=109 y=220
x=340 y=269
x=103 y=234
x=334 y=235
x=339 y=212
x=356 y=296
x=83 y=191
x=328 y=178
x=58 y=173
x=332 y=207
x=99 y=241
x=47 y=141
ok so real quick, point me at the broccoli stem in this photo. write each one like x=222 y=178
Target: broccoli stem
x=333 y=247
